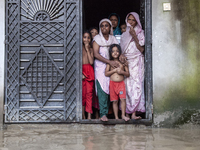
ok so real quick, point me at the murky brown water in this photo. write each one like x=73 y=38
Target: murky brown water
x=97 y=137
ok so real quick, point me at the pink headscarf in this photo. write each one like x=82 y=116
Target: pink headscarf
x=126 y=36
x=100 y=40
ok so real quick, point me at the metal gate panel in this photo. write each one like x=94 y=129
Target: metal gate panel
x=42 y=61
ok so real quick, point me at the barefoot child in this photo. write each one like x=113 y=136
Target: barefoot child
x=88 y=75
x=117 y=85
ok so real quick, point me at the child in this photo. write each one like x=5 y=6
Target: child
x=88 y=75
x=123 y=27
x=117 y=85
x=94 y=32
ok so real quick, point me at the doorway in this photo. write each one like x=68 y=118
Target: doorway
x=42 y=57
x=93 y=12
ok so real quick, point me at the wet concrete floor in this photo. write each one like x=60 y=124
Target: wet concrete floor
x=97 y=137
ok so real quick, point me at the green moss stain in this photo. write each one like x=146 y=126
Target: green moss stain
x=183 y=96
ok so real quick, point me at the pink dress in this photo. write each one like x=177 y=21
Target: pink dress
x=135 y=82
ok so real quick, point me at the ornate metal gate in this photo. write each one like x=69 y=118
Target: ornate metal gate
x=43 y=61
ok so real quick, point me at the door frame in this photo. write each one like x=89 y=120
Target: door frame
x=147 y=4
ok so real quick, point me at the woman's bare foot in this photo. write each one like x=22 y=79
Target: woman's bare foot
x=125 y=118
x=135 y=117
x=104 y=118
x=127 y=115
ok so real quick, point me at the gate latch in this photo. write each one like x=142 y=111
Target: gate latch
x=5 y=42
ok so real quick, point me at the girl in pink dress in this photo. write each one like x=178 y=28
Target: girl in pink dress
x=132 y=44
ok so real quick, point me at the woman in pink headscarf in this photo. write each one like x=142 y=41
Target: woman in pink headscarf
x=132 y=44
x=101 y=45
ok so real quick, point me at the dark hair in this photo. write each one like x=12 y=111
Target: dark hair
x=123 y=24
x=110 y=50
x=87 y=31
x=94 y=28
x=114 y=15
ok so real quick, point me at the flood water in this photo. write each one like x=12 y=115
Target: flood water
x=97 y=137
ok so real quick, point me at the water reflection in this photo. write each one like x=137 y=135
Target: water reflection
x=97 y=137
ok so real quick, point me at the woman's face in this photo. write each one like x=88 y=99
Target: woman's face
x=94 y=32
x=105 y=28
x=114 y=21
x=131 y=20
x=86 y=38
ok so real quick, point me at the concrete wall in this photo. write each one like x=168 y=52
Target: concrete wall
x=2 y=50
x=176 y=63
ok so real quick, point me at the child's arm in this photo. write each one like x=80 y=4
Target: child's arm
x=109 y=72
x=124 y=72
x=83 y=77
x=89 y=53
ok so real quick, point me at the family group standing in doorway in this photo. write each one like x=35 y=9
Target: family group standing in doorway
x=116 y=54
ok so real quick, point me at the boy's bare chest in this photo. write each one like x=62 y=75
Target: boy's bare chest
x=84 y=53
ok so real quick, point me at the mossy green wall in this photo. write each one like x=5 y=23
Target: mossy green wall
x=176 y=62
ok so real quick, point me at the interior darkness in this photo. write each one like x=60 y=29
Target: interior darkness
x=95 y=10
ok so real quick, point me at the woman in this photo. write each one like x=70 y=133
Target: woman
x=132 y=44
x=101 y=45
x=115 y=19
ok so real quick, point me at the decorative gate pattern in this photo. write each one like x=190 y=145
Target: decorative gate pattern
x=42 y=61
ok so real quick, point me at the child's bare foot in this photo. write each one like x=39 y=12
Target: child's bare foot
x=135 y=117
x=83 y=117
x=125 y=118
x=89 y=116
x=104 y=118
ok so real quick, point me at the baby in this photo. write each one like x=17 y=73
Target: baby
x=123 y=27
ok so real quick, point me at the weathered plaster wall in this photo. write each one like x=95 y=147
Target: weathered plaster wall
x=176 y=62
x=2 y=37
